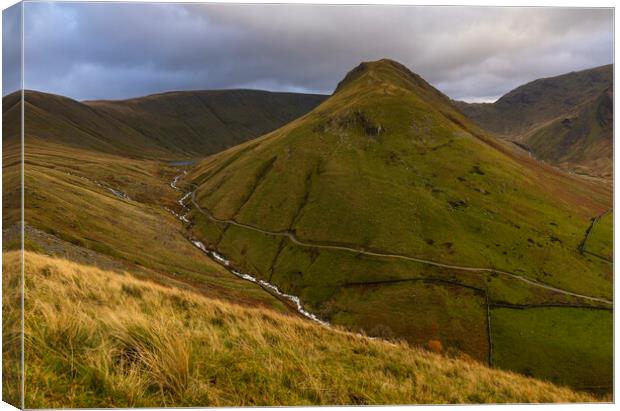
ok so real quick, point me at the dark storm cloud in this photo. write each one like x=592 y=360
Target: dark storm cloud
x=11 y=49
x=108 y=50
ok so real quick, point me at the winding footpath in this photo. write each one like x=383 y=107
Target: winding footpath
x=117 y=193
x=302 y=243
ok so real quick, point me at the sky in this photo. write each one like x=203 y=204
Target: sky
x=115 y=50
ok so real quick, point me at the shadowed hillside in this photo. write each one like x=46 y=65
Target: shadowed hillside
x=169 y=125
x=565 y=120
x=385 y=209
x=205 y=122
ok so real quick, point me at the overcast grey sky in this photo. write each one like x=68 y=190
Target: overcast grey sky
x=112 y=50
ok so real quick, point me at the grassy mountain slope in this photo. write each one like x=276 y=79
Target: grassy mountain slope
x=388 y=166
x=170 y=125
x=565 y=120
x=97 y=338
x=116 y=207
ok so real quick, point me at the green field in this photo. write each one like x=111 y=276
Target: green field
x=419 y=312
x=570 y=346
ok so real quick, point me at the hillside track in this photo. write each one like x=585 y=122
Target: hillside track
x=291 y=236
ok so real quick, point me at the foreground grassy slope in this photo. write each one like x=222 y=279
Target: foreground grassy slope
x=96 y=338
x=12 y=371
x=388 y=165
x=566 y=120
x=170 y=125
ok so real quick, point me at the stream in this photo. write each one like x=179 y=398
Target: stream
x=220 y=259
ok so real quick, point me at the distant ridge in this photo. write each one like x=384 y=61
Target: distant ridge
x=167 y=125
x=566 y=120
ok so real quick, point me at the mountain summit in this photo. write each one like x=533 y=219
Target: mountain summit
x=375 y=90
x=383 y=72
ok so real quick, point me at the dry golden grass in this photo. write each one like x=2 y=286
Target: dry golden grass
x=11 y=329
x=101 y=339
